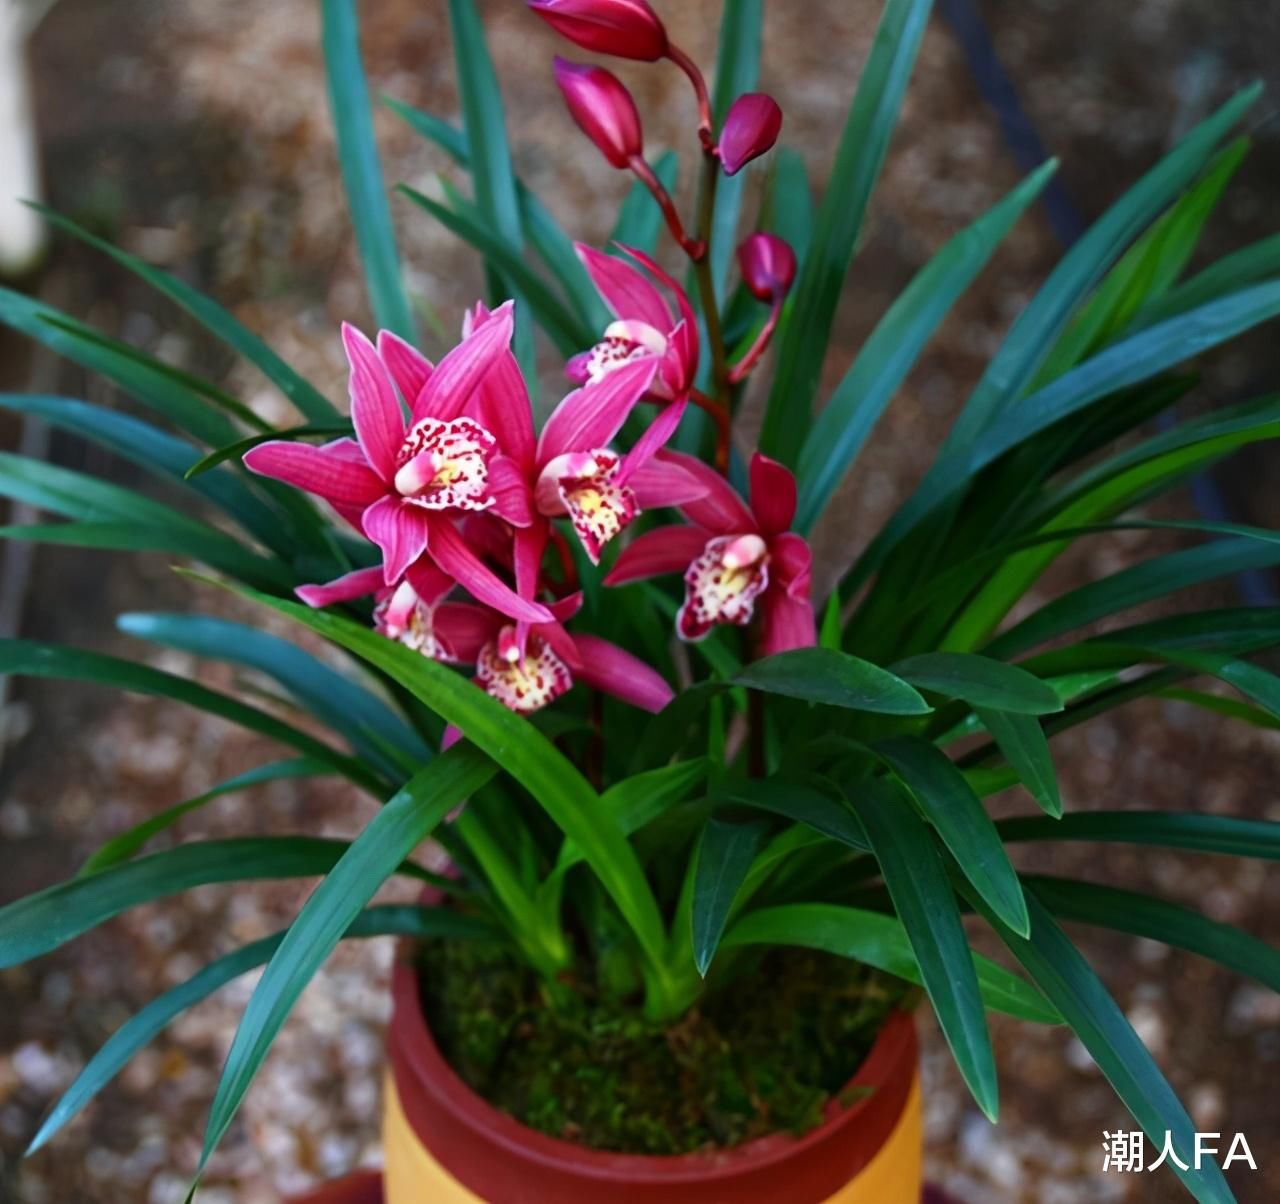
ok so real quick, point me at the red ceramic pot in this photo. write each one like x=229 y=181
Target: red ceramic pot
x=446 y=1145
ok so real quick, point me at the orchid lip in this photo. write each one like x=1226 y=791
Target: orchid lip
x=445 y=465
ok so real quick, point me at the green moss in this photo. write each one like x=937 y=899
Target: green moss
x=763 y=1055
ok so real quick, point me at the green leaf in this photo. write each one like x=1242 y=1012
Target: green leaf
x=26 y=658
x=519 y=748
x=788 y=206
x=141 y=1029
x=827 y=676
x=162 y=455
x=1058 y=968
x=881 y=941
x=1146 y=271
x=404 y=823
x=1231 y=707
x=361 y=171
x=150 y=382
x=1139 y=583
x=840 y=430
x=1025 y=747
x=217 y=321
x=737 y=72
x=1032 y=336
x=980 y=681
x=1125 y=363
x=1222 y=834
x=121 y=848
x=35 y=925
x=639 y=218
x=563 y=327
x=353 y=712
x=1159 y=920
x=801 y=802
x=926 y=904
x=956 y=812
x=722 y=861
x=863 y=144
x=1251 y=264
x=553 y=245
x=491 y=170
x=212 y=548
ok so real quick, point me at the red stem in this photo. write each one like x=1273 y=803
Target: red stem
x=706 y=125
x=720 y=415
x=739 y=371
x=644 y=173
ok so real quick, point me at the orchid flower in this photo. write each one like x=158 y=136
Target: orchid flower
x=405 y=485
x=644 y=324
x=733 y=557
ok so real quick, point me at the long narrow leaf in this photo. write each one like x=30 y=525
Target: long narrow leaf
x=843 y=426
x=1222 y=834
x=863 y=145
x=1025 y=747
x=926 y=904
x=392 y=834
x=362 y=172
x=723 y=860
x=828 y=676
x=140 y=1030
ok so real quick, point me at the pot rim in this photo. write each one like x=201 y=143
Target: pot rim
x=888 y=1070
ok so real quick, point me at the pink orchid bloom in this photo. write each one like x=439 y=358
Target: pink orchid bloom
x=644 y=324
x=405 y=485
x=569 y=469
x=525 y=666
x=733 y=556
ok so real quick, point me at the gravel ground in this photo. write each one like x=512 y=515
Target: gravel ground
x=199 y=137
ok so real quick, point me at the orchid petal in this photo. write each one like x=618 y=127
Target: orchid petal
x=720 y=509
x=666 y=550
x=329 y=474
x=607 y=667
x=463 y=629
x=793 y=564
x=429 y=582
x=409 y=368
x=400 y=530
x=512 y=498
x=529 y=545
x=505 y=409
x=660 y=484
x=787 y=623
x=458 y=374
x=578 y=369
x=626 y=291
x=773 y=494
x=655 y=436
x=590 y=417
x=358 y=584
x=450 y=551
x=375 y=409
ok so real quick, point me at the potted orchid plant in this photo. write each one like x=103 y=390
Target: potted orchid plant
x=713 y=820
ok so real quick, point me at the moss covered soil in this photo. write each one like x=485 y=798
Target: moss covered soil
x=764 y=1054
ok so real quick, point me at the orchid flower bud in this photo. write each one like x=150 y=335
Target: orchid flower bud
x=750 y=129
x=603 y=109
x=628 y=29
x=768 y=266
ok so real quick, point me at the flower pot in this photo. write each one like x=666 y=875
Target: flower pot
x=444 y=1144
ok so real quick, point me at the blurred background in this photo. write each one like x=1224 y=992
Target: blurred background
x=198 y=136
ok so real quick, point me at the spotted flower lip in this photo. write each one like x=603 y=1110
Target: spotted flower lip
x=735 y=557
x=404 y=485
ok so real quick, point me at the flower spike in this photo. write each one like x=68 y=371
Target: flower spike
x=627 y=29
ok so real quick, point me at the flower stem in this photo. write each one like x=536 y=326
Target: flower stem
x=740 y=370
x=645 y=174
x=720 y=416
x=706 y=125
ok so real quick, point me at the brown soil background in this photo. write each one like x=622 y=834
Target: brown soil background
x=199 y=135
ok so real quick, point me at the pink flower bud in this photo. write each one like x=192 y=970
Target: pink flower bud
x=749 y=131
x=629 y=29
x=768 y=266
x=603 y=109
